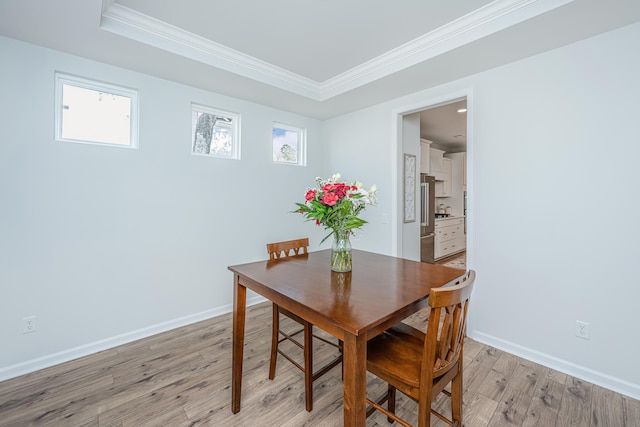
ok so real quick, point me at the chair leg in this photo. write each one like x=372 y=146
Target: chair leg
x=424 y=407
x=341 y=350
x=391 y=401
x=274 y=341
x=308 y=365
x=456 y=396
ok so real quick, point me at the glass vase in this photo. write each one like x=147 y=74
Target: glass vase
x=341 y=252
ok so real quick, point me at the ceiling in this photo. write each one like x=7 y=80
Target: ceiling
x=445 y=126
x=318 y=58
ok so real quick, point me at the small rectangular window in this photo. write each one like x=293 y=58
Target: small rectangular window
x=289 y=144
x=95 y=112
x=215 y=132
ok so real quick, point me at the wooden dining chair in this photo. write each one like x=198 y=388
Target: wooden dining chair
x=277 y=251
x=421 y=365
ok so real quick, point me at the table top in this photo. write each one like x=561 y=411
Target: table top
x=378 y=290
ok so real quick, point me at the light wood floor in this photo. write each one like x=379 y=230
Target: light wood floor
x=182 y=378
x=458 y=260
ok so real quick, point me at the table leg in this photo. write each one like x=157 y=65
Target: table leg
x=239 y=314
x=308 y=365
x=355 y=380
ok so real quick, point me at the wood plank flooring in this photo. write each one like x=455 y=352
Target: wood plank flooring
x=182 y=378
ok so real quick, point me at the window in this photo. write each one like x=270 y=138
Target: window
x=94 y=112
x=289 y=144
x=214 y=132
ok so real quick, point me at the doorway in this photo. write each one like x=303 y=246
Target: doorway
x=443 y=125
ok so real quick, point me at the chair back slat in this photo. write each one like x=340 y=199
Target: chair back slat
x=288 y=248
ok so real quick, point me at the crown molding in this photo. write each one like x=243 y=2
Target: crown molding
x=137 y=26
x=491 y=18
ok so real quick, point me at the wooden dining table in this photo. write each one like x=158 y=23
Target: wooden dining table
x=379 y=292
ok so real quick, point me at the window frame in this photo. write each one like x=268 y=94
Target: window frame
x=302 y=144
x=235 y=125
x=62 y=79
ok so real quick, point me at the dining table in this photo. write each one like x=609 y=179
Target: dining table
x=355 y=306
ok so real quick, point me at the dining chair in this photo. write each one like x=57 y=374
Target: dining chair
x=278 y=250
x=421 y=365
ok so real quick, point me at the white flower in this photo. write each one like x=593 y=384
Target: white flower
x=371 y=196
x=366 y=197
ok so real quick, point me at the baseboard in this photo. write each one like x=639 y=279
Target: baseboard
x=615 y=384
x=85 y=350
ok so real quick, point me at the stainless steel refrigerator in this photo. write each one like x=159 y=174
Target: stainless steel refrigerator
x=427 y=218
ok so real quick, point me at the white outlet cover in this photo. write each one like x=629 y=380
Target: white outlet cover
x=582 y=329
x=29 y=324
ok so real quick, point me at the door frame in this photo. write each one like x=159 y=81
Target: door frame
x=397 y=169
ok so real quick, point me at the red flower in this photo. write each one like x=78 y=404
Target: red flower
x=311 y=194
x=341 y=190
x=330 y=199
x=328 y=187
x=317 y=222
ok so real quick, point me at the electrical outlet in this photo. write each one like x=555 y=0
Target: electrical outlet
x=582 y=329
x=29 y=324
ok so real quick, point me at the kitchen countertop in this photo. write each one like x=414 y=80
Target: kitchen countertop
x=449 y=217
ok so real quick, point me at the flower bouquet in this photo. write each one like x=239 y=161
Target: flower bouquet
x=336 y=205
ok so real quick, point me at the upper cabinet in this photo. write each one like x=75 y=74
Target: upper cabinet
x=449 y=169
x=425 y=156
x=437 y=164
x=443 y=182
x=460 y=170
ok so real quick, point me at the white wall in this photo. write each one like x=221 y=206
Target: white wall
x=410 y=138
x=105 y=244
x=362 y=150
x=554 y=141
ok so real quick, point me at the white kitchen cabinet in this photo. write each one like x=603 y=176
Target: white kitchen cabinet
x=449 y=237
x=425 y=156
x=461 y=158
x=436 y=162
x=443 y=185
